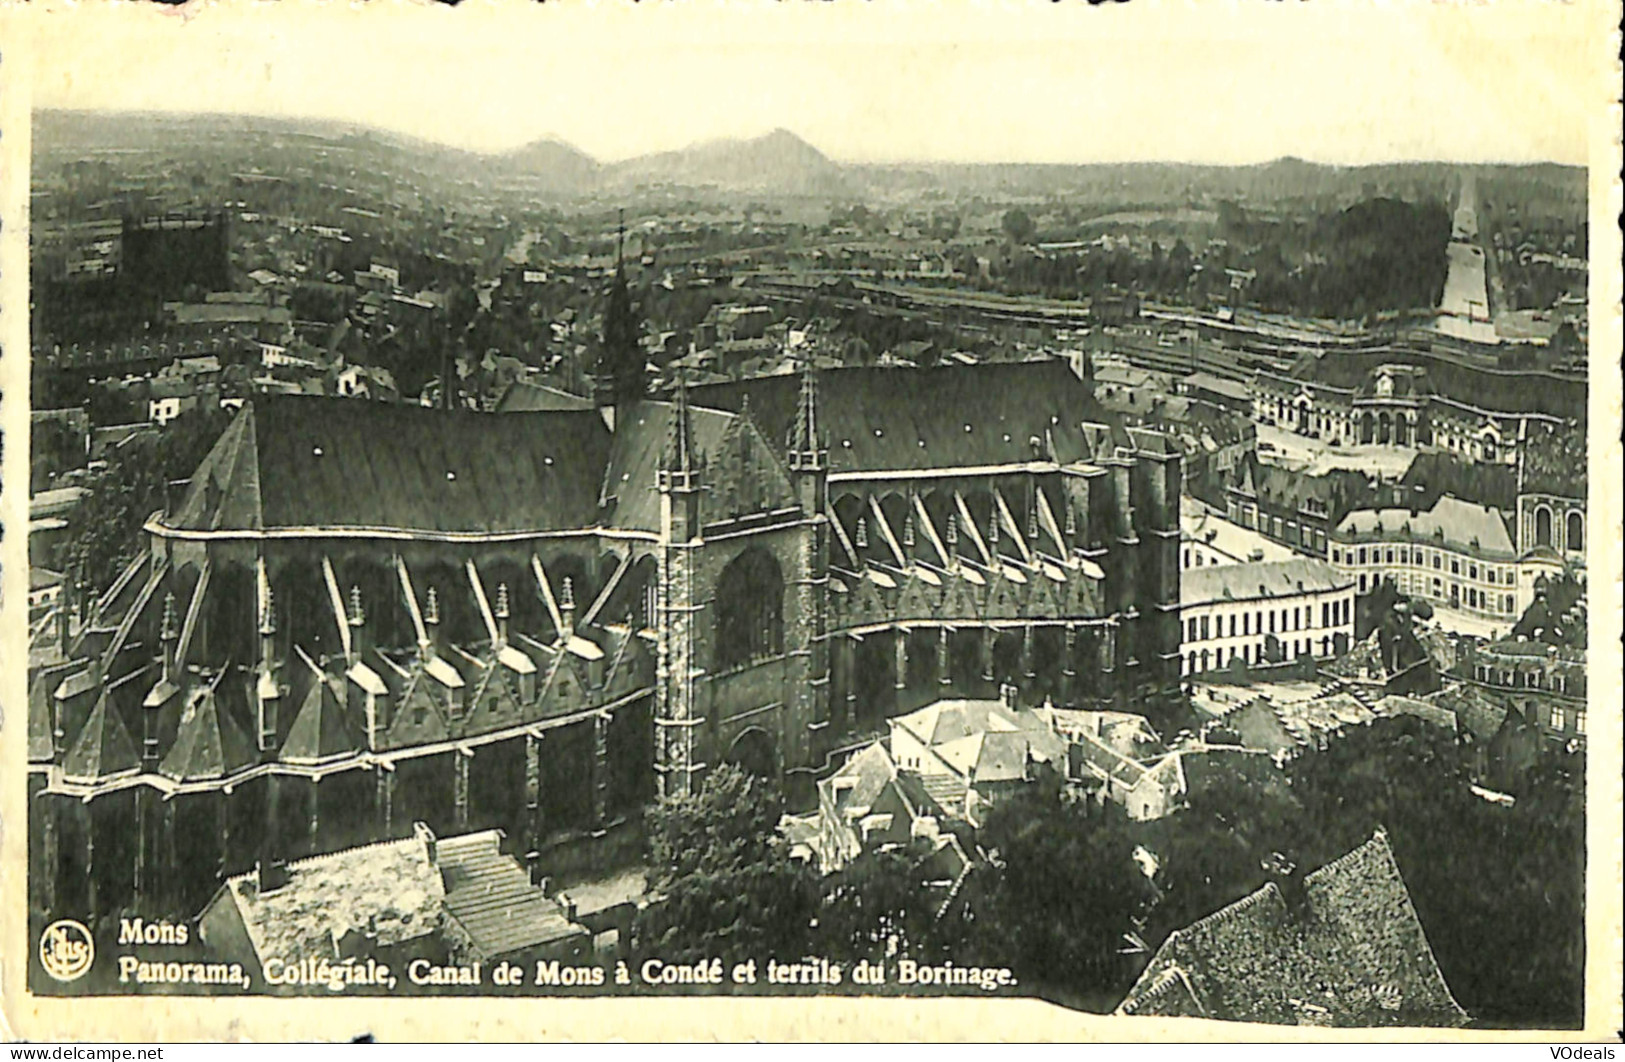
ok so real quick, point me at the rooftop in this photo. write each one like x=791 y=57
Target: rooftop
x=1259 y=581
x=1351 y=953
x=1452 y=523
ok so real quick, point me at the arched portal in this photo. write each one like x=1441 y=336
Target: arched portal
x=1576 y=540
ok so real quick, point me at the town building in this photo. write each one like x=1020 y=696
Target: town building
x=1292 y=507
x=1545 y=683
x=1206 y=538
x=1475 y=414
x=1457 y=555
x=537 y=621
x=1339 y=947
x=445 y=901
x=872 y=805
x=1258 y=613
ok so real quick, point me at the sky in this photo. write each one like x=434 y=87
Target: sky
x=1217 y=81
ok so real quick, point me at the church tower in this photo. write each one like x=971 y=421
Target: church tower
x=618 y=375
x=676 y=713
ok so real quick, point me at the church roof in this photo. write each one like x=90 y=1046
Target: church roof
x=1351 y=953
x=523 y=396
x=104 y=747
x=881 y=419
x=320 y=731
x=298 y=461
x=209 y=742
x=642 y=435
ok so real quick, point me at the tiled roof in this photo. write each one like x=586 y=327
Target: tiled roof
x=1259 y=580
x=391 y=891
x=492 y=899
x=860 y=781
x=1352 y=955
x=1475 y=712
x=1430 y=713
x=1451 y=522
x=290 y=461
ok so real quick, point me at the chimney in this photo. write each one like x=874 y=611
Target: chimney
x=1007 y=694
x=270 y=874
x=431 y=846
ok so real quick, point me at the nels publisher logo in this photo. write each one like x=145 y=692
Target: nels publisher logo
x=66 y=950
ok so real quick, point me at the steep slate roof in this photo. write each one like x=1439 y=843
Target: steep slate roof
x=209 y=742
x=1473 y=481
x=642 y=438
x=1258 y=580
x=908 y=407
x=297 y=461
x=522 y=396
x=320 y=731
x=1338 y=490
x=104 y=747
x=1353 y=955
x=490 y=896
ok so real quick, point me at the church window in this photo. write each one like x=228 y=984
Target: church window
x=750 y=610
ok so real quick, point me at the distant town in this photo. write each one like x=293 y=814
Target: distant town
x=1163 y=584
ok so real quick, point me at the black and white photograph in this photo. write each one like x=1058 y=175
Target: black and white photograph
x=1063 y=504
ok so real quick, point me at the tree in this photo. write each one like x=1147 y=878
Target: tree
x=724 y=884
x=1018 y=226
x=884 y=904
x=1063 y=892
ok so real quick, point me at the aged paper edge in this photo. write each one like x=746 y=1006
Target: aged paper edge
x=22 y=1015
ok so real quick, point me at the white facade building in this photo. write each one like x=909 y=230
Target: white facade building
x=1263 y=612
x=1458 y=555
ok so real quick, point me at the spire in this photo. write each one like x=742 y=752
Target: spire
x=502 y=613
x=620 y=239
x=618 y=376
x=168 y=633
x=806 y=451
x=681 y=461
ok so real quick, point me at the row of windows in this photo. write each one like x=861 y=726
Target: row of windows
x=1198 y=661
x=1332 y=613
x=1559 y=720
x=1291 y=532
x=1421 y=558
x=1471 y=597
x=1530 y=679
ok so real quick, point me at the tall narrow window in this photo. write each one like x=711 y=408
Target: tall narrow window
x=750 y=609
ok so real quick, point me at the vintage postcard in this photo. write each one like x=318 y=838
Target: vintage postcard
x=915 y=520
